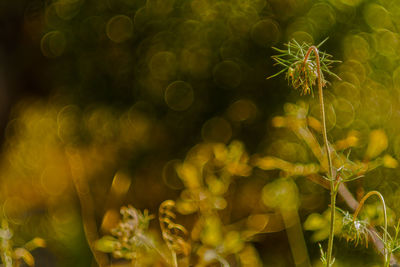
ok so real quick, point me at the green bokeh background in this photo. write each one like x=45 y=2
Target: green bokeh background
x=135 y=84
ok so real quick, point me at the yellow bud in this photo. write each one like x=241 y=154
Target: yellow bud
x=211 y=234
x=233 y=242
x=189 y=174
x=279 y=121
x=389 y=162
x=22 y=253
x=378 y=142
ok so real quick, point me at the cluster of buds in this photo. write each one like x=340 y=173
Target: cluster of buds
x=130 y=232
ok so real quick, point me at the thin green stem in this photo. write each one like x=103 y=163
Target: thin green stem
x=385 y=249
x=326 y=145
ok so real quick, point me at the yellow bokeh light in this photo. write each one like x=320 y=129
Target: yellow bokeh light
x=242 y=110
x=179 y=95
x=266 y=32
x=163 y=65
x=53 y=44
x=356 y=48
x=119 y=28
x=67 y=9
x=216 y=129
x=54 y=180
x=377 y=17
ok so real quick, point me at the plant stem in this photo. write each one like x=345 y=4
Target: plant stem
x=387 y=257
x=79 y=180
x=326 y=144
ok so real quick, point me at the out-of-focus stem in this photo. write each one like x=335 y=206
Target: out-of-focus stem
x=328 y=154
x=87 y=205
x=296 y=239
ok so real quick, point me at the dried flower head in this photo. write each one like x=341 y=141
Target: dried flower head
x=354 y=230
x=301 y=72
x=130 y=232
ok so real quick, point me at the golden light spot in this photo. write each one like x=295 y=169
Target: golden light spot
x=344 y=112
x=51 y=17
x=54 y=180
x=120 y=184
x=349 y=77
x=227 y=74
x=240 y=23
x=163 y=65
x=141 y=17
x=159 y=7
x=196 y=61
x=101 y=123
x=135 y=126
x=356 y=48
x=170 y=175
x=216 y=129
x=265 y=32
x=201 y=8
x=242 y=110
x=376 y=16
x=302 y=37
x=179 y=95
x=67 y=9
x=190 y=33
x=119 y=28
x=322 y=15
x=53 y=44
x=68 y=123
x=300 y=24
x=388 y=43
x=351 y=2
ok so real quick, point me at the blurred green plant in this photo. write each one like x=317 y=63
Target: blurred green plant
x=303 y=70
x=207 y=174
x=131 y=239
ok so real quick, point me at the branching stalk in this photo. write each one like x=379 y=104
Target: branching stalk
x=386 y=252
x=326 y=144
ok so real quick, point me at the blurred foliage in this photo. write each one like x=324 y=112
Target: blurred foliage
x=134 y=102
